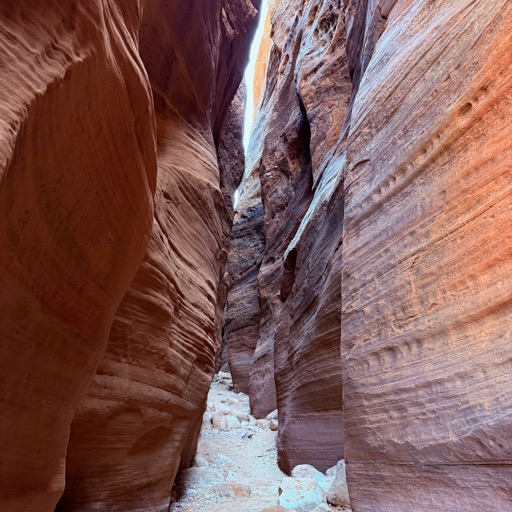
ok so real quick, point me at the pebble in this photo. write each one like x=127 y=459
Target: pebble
x=299 y=494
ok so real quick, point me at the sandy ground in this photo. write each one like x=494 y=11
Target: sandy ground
x=240 y=459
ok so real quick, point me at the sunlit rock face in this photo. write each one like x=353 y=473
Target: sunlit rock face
x=383 y=144
x=427 y=267
x=77 y=176
x=140 y=420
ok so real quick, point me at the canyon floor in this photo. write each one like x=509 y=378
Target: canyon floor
x=235 y=469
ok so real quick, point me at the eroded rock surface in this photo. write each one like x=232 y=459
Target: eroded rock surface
x=141 y=418
x=77 y=175
x=427 y=267
x=296 y=131
x=399 y=190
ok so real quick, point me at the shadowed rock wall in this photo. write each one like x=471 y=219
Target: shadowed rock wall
x=77 y=175
x=408 y=161
x=141 y=418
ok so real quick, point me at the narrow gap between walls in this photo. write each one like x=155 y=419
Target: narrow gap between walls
x=249 y=80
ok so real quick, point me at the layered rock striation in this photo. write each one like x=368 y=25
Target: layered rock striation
x=116 y=131
x=141 y=418
x=427 y=267
x=383 y=144
x=77 y=176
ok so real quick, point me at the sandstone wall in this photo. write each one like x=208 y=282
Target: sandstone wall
x=384 y=152
x=77 y=167
x=427 y=267
x=91 y=95
x=141 y=418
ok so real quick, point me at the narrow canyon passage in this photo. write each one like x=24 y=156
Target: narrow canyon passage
x=342 y=271
x=235 y=468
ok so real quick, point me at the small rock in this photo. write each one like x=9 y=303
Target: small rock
x=222 y=409
x=332 y=471
x=219 y=422
x=207 y=419
x=194 y=478
x=262 y=423
x=338 y=493
x=272 y=415
x=242 y=416
x=307 y=471
x=232 y=401
x=322 y=508
x=231 y=490
x=326 y=484
x=273 y=425
x=232 y=422
x=222 y=460
x=276 y=508
x=230 y=476
x=299 y=494
x=200 y=462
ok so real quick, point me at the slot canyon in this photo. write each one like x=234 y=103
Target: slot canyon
x=317 y=320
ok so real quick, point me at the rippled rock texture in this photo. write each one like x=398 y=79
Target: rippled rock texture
x=383 y=142
x=116 y=130
x=427 y=267
x=77 y=175
x=140 y=420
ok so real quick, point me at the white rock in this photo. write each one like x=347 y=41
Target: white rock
x=272 y=415
x=307 y=471
x=195 y=478
x=207 y=419
x=338 y=493
x=326 y=484
x=200 y=462
x=322 y=508
x=273 y=425
x=232 y=422
x=222 y=460
x=222 y=409
x=242 y=416
x=299 y=494
x=231 y=476
x=332 y=471
x=219 y=422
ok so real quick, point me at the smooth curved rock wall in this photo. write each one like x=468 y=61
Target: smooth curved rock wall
x=426 y=263
x=140 y=421
x=77 y=166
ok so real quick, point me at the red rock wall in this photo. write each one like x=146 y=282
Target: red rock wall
x=297 y=128
x=77 y=167
x=79 y=141
x=427 y=267
x=408 y=106
x=246 y=252
x=139 y=422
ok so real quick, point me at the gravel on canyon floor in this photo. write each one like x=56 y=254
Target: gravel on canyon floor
x=235 y=469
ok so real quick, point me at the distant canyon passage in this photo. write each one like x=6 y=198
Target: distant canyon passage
x=361 y=285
